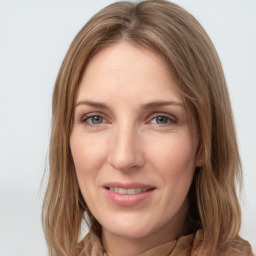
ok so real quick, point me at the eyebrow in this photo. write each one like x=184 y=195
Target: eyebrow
x=144 y=107
x=161 y=104
x=92 y=104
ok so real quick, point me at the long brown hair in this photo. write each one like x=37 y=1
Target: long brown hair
x=179 y=38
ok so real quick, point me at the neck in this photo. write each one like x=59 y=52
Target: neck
x=116 y=245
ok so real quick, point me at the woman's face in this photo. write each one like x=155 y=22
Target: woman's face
x=132 y=146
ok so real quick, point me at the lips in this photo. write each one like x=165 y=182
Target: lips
x=129 y=194
x=129 y=191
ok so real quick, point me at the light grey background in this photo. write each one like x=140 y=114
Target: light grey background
x=34 y=36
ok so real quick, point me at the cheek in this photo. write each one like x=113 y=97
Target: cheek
x=86 y=152
x=88 y=156
x=174 y=162
x=174 y=157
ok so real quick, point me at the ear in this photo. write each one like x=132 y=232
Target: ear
x=199 y=163
x=200 y=158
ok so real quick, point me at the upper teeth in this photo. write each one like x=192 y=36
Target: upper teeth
x=129 y=191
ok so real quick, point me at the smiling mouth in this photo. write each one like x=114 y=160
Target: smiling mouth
x=128 y=194
x=129 y=191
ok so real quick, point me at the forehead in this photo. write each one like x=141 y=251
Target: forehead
x=130 y=70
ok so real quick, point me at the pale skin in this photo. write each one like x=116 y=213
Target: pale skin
x=131 y=126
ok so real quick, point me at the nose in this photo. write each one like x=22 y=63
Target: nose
x=126 y=150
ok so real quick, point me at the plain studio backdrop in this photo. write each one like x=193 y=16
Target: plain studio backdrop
x=34 y=37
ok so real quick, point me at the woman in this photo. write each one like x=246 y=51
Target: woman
x=143 y=140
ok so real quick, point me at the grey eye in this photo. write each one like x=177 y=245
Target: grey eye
x=94 y=120
x=161 y=120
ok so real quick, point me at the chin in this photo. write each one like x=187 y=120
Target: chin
x=130 y=232
x=131 y=226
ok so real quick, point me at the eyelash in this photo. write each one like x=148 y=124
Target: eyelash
x=170 y=120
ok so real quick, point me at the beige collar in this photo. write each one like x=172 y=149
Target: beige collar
x=183 y=246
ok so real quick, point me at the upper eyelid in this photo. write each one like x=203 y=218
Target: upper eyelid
x=83 y=116
x=89 y=116
x=156 y=114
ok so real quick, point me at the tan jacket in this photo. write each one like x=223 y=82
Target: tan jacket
x=183 y=246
